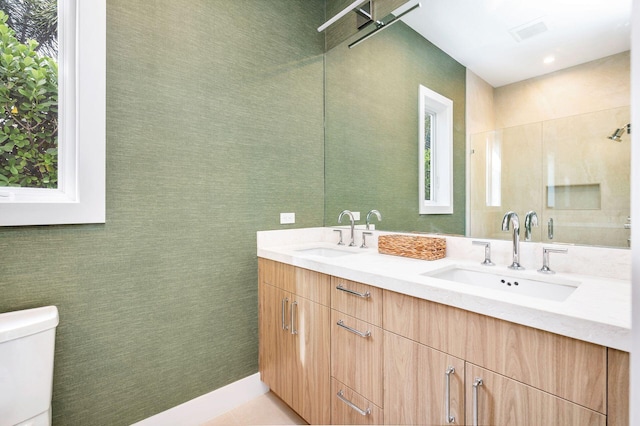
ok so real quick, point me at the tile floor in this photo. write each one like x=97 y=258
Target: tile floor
x=266 y=409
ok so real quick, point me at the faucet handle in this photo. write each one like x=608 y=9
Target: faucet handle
x=487 y=252
x=545 y=259
x=340 y=243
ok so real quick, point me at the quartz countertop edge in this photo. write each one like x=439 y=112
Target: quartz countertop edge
x=599 y=311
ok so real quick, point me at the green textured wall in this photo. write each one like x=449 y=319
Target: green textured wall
x=214 y=127
x=371 y=140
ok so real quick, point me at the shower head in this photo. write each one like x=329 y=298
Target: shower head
x=617 y=134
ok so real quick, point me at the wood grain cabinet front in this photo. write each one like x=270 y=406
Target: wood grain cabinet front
x=618 y=388
x=493 y=399
x=356 y=355
x=350 y=408
x=294 y=339
x=423 y=386
x=568 y=368
x=350 y=353
x=358 y=300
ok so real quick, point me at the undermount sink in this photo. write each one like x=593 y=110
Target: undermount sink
x=324 y=252
x=548 y=288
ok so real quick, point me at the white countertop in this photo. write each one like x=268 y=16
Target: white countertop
x=598 y=311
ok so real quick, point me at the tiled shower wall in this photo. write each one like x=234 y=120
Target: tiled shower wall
x=550 y=153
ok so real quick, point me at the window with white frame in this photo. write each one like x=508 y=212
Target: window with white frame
x=435 y=153
x=52 y=112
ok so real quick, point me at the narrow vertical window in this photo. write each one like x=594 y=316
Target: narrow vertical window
x=436 y=153
x=428 y=137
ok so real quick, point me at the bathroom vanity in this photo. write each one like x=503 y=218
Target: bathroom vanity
x=350 y=336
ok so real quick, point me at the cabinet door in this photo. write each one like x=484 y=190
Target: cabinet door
x=618 y=388
x=498 y=400
x=311 y=360
x=422 y=385
x=275 y=348
x=356 y=355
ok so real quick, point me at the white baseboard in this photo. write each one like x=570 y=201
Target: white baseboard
x=208 y=406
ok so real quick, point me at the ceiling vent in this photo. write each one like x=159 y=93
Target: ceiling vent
x=528 y=30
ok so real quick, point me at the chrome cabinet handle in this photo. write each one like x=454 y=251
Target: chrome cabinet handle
x=353 y=330
x=284 y=302
x=477 y=382
x=365 y=295
x=293 y=321
x=550 y=229
x=366 y=412
x=449 y=418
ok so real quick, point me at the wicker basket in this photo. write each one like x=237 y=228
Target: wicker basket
x=425 y=248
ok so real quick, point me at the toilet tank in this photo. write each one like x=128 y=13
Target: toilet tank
x=27 y=340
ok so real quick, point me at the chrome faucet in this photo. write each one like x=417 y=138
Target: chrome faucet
x=353 y=225
x=545 y=259
x=531 y=219
x=512 y=217
x=375 y=212
x=487 y=252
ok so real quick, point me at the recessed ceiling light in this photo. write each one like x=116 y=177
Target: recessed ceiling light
x=549 y=59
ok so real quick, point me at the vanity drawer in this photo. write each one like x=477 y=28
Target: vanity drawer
x=350 y=408
x=311 y=285
x=357 y=355
x=276 y=274
x=358 y=300
x=571 y=369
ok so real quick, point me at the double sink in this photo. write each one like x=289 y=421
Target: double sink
x=544 y=287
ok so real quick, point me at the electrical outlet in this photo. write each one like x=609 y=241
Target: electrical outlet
x=356 y=216
x=287 y=218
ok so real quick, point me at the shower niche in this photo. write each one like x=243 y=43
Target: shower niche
x=574 y=197
x=568 y=170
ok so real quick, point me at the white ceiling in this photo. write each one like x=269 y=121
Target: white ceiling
x=477 y=33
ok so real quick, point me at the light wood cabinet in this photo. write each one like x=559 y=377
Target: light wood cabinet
x=618 y=388
x=565 y=367
x=350 y=353
x=358 y=300
x=294 y=336
x=356 y=351
x=275 y=342
x=493 y=399
x=423 y=386
x=356 y=355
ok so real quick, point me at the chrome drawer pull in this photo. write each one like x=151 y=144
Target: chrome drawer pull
x=477 y=382
x=449 y=418
x=353 y=330
x=364 y=295
x=284 y=301
x=366 y=412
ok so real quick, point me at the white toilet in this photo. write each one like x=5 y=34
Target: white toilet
x=27 y=340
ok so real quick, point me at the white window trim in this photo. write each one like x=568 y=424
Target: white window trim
x=441 y=152
x=80 y=197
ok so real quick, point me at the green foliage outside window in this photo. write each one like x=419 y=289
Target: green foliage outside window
x=28 y=113
x=428 y=118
